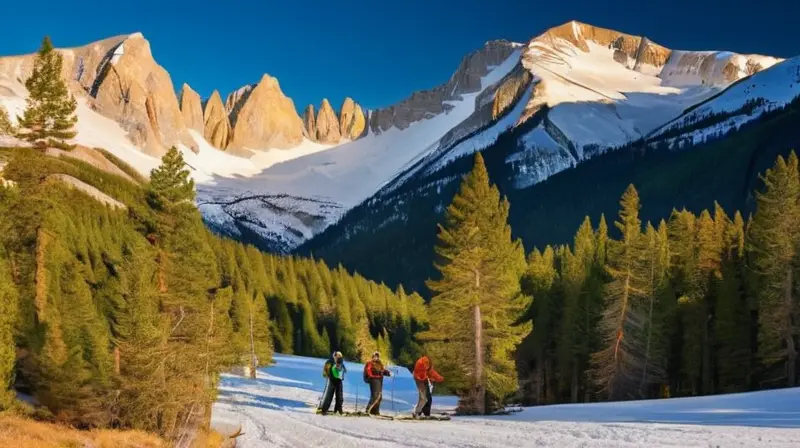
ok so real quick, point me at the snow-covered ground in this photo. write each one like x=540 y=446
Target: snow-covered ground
x=277 y=410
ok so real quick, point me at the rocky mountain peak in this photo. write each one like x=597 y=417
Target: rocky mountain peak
x=265 y=118
x=351 y=120
x=643 y=55
x=216 y=127
x=428 y=103
x=191 y=108
x=120 y=80
x=310 y=122
x=327 y=124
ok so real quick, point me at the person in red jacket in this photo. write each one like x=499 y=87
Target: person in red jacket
x=424 y=375
x=373 y=374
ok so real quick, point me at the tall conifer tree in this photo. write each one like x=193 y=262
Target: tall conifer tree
x=477 y=300
x=619 y=364
x=775 y=240
x=50 y=113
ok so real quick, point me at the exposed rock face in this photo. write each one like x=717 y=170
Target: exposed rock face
x=351 y=120
x=510 y=90
x=266 y=119
x=125 y=84
x=643 y=55
x=192 y=109
x=310 y=123
x=217 y=128
x=631 y=51
x=235 y=101
x=491 y=104
x=138 y=93
x=327 y=124
x=428 y=103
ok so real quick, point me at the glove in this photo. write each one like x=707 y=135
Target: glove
x=387 y=373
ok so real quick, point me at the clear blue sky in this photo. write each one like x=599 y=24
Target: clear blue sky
x=376 y=51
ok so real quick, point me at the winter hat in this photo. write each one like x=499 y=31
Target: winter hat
x=337 y=355
x=376 y=354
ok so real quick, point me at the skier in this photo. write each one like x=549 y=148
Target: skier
x=334 y=370
x=423 y=376
x=373 y=374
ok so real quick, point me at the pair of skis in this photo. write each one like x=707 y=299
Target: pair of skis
x=405 y=418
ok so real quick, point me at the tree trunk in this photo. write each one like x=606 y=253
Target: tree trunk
x=791 y=349
x=116 y=360
x=252 y=347
x=209 y=341
x=480 y=391
x=649 y=329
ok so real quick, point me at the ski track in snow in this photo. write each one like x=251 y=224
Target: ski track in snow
x=277 y=410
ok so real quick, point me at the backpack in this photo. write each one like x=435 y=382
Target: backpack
x=326 y=369
x=366 y=372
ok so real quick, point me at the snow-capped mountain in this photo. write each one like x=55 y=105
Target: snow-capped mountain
x=270 y=176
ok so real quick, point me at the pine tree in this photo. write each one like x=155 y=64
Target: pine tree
x=170 y=183
x=538 y=282
x=50 y=113
x=6 y=128
x=660 y=307
x=260 y=335
x=478 y=299
x=618 y=366
x=732 y=314
x=775 y=239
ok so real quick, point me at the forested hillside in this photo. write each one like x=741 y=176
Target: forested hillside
x=698 y=304
x=123 y=316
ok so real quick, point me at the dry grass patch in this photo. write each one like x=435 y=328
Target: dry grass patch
x=26 y=433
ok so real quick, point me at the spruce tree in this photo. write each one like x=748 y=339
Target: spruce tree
x=732 y=314
x=538 y=282
x=170 y=183
x=477 y=300
x=775 y=239
x=618 y=366
x=50 y=113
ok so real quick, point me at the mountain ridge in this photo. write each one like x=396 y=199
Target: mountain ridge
x=599 y=89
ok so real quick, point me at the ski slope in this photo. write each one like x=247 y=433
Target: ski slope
x=277 y=410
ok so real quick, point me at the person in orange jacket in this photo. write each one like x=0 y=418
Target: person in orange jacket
x=423 y=376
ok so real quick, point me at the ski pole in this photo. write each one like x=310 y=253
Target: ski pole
x=356 y=406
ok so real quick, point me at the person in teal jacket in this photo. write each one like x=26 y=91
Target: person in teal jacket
x=334 y=370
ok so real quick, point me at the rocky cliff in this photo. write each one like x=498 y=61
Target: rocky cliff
x=192 y=109
x=217 y=127
x=326 y=127
x=641 y=54
x=123 y=82
x=351 y=120
x=265 y=118
x=428 y=103
x=327 y=124
x=310 y=123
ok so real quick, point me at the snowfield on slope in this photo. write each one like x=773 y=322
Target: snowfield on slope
x=207 y=165
x=277 y=410
x=343 y=175
x=771 y=88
